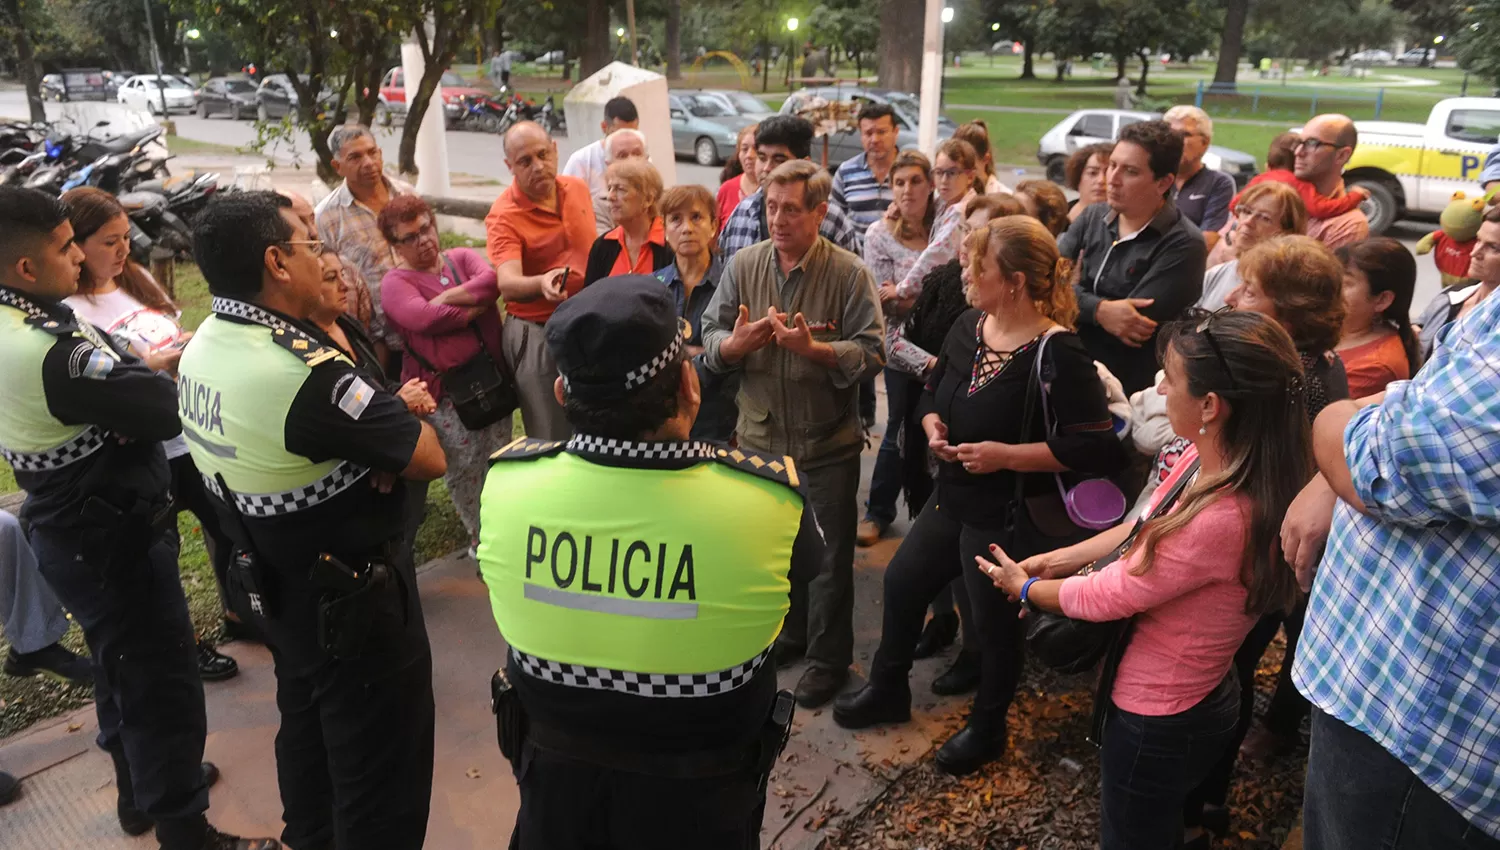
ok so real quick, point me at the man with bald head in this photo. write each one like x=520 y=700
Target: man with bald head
x=625 y=143
x=538 y=235
x=1326 y=145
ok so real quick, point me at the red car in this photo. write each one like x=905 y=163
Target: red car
x=392 y=104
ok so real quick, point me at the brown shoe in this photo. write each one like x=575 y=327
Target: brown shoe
x=869 y=533
x=1263 y=746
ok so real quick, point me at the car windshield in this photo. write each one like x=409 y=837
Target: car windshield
x=746 y=102
x=238 y=86
x=708 y=107
x=904 y=103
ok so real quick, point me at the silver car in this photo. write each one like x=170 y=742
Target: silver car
x=704 y=127
x=845 y=144
x=1092 y=126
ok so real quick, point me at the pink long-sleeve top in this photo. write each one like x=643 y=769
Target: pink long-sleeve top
x=1189 y=609
x=440 y=333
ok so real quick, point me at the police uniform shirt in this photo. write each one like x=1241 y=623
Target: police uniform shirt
x=326 y=421
x=85 y=379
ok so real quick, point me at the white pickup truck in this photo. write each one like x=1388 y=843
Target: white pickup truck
x=1416 y=168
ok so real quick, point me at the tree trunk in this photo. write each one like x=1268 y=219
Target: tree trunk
x=1232 y=41
x=1062 y=67
x=25 y=59
x=416 y=110
x=596 y=46
x=901 y=44
x=1120 y=60
x=674 y=39
x=1028 y=69
x=1145 y=67
x=499 y=27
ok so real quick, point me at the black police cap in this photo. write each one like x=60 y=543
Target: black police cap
x=615 y=336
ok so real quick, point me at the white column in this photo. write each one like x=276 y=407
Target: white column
x=432 y=142
x=932 y=76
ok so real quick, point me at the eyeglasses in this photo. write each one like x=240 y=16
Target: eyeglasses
x=945 y=173
x=1204 y=328
x=314 y=246
x=1245 y=212
x=411 y=239
x=1315 y=145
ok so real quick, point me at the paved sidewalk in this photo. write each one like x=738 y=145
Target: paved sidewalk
x=826 y=776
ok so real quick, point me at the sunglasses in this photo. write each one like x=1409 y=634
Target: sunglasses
x=1205 y=327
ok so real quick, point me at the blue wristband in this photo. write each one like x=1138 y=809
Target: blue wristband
x=1026 y=590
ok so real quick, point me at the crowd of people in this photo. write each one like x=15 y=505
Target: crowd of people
x=1203 y=415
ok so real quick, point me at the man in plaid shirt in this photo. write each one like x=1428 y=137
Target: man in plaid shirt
x=1400 y=653
x=778 y=139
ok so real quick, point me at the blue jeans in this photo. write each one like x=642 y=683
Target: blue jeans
x=885 y=481
x=1359 y=796
x=1149 y=765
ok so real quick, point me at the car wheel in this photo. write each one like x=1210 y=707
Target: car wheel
x=1382 y=209
x=202 y=110
x=705 y=152
x=382 y=115
x=1057 y=169
x=261 y=113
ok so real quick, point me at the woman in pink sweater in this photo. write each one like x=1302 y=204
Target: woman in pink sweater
x=1195 y=577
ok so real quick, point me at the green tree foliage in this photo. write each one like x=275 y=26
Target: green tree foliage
x=849 y=26
x=1316 y=30
x=449 y=24
x=1477 y=40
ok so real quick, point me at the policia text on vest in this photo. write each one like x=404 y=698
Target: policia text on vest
x=630 y=570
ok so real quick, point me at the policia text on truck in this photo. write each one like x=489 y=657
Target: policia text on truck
x=640 y=579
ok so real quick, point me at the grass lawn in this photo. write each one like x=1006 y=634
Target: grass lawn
x=180 y=145
x=25 y=701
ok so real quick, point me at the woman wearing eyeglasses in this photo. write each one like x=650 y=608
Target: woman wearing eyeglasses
x=442 y=303
x=1196 y=577
x=1263 y=211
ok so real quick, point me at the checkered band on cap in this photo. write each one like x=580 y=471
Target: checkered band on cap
x=276 y=504
x=585 y=444
x=641 y=374
x=655 y=685
x=88 y=441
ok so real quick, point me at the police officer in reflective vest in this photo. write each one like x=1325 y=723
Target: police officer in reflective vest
x=81 y=423
x=304 y=456
x=640 y=580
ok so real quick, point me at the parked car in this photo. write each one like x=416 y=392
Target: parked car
x=277 y=98
x=703 y=127
x=1423 y=56
x=845 y=144
x=741 y=102
x=113 y=80
x=1371 y=57
x=1091 y=126
x=452 y=88
x=551 y=57
x=147 y=91
x=232 y=96
x=75 y=84
x=1415 y=168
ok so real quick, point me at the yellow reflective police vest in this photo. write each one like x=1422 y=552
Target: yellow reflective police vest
x=667 y=582
x=236 y=384
x=31 y=438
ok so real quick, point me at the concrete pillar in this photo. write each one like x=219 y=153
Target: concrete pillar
x=932 y=76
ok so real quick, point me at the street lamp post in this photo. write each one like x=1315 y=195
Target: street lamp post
x=791 y=46
x=994 y=28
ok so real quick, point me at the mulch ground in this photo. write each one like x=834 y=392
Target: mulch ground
x=1044 y=794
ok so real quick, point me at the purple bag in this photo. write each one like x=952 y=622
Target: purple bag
x=1095 y=503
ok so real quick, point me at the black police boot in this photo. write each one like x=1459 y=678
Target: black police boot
x=877 y=702
x=937 y=635
x=961 y=678
x=213 y=665
x=10 y=788
x=54 y=661
x=134 y=821
x=971 y=749
x=819 y=685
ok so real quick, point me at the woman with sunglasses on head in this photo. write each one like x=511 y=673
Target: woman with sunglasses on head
x=1196 y=576
x=443 y=304
x=973 y=415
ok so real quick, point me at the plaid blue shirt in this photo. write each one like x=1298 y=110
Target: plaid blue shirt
x=747 y=226
x=858 y=194
x=1402 y=639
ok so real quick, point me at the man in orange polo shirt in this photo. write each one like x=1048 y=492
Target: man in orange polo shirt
x=538 y=235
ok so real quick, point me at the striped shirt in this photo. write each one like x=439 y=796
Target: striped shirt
x=860 y=195
x=747 y=226
x=1402 y=638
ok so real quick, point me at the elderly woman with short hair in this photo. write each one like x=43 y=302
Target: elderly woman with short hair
x=638 y=242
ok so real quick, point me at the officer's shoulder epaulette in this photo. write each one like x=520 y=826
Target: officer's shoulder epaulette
x=309 y=351
x=778 y=468
x=523 y=448
x=47 y=324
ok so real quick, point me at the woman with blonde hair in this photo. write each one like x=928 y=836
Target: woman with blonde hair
x=1264 y=212
x=638 y=242
x=985 y=434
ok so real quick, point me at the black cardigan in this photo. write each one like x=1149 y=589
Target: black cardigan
x=603 y=254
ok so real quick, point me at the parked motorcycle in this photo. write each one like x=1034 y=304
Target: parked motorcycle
x=480 y=113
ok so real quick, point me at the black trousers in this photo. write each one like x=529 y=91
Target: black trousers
x=147 y=692
x=571 y=805
x=189 y=495
x=937 y=550
x=355 y=748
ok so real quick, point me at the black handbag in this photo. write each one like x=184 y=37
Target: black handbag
x=482 y=388
x=1068 y=645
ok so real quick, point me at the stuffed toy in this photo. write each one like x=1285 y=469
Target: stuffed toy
x=1450 y=247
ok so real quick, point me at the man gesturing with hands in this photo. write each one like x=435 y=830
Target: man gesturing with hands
x=818 y=332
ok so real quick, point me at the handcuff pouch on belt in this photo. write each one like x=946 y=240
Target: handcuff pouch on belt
x=248 y=577
x=120 y=535
x=350 y=595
